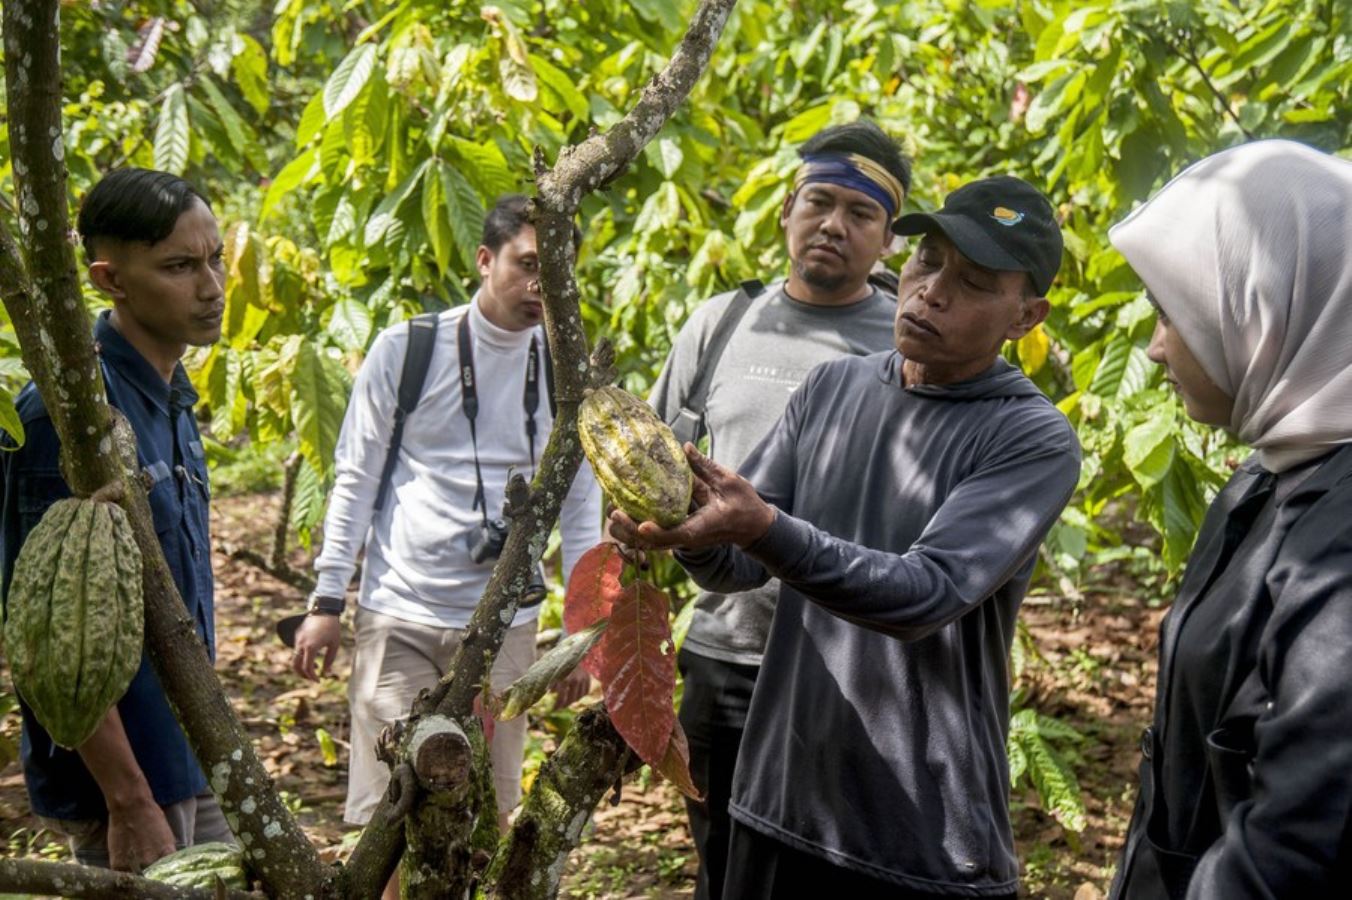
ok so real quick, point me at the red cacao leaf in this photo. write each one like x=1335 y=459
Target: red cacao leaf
x=593 y=587
x=675 y=764
x=638 y=670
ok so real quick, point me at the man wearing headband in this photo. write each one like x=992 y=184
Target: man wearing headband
x=900 y=501
x=836 y=219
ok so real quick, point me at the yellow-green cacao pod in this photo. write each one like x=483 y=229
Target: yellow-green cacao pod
x=635 y=457
x=75 y=616
x=199 y=866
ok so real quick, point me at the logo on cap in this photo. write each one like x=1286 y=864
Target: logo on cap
x=1006 y=216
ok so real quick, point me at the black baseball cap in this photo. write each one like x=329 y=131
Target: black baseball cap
x=1002 y=223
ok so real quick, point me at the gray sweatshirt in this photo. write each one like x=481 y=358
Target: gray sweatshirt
x=908 y=525
x=776 y=344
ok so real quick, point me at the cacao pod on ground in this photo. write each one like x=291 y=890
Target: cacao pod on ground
x=75 y=616
x=636 y=458
x=199 y=866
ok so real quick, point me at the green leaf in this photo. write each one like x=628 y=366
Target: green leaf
x=348 y=80
x=312 y=121
x=807 y=123
x=665 y=154
x=250 y=67
x=382 y=218
x=223 y=383
x=434 y=217
x=1112 y=366
x=307 y=505
x=563 y=658
x=1140 y=163
x=1148 y=450
x=327 y=748
x=806 y=49
x=660 y=12
x=1058 y=95
x=9 y=419
x=294 y=174
x=1183 y=507
x=1052 y=777
x=318 y=400
x=173 y=133
x=1136 y=374
x=239 y=131
x=562 y=85
x=350 y=324
x=514 y=67
x=1263 y=47
x=484 y=165
x=466 y=213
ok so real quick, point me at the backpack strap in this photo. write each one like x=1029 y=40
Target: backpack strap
x=689 y=424
x=422 y=338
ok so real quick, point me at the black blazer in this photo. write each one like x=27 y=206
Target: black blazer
x=1246 y=776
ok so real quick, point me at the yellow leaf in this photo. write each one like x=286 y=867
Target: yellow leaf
x=1033 y=348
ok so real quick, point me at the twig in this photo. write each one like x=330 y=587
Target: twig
x=1185 y=49
x=283 y=572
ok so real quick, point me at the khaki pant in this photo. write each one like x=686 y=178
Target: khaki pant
x=197 y=820
x=393 y=661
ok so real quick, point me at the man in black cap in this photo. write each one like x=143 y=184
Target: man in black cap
x=900 y=501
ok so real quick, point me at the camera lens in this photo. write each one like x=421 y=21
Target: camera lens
x=535 y=592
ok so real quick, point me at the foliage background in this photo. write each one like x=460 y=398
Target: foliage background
x=351 y=148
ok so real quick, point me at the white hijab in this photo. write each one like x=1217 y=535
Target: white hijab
x=1249 y=253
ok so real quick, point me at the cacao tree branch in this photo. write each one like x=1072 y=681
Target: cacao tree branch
x=283 y=526
x=589 y=761
x=54 y=332
x=577 y=172
x=31 y=876
x=1184 y=48
x=284 y=572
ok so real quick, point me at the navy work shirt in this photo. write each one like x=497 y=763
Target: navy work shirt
x=169 y=448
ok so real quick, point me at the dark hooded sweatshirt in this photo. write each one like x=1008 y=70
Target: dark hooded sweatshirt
x=908 y=528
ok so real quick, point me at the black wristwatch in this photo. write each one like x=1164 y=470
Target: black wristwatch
x=325 y=606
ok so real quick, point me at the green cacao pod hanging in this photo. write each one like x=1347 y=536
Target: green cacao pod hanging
x=636 y=458
x=199 y=867
x=75 y=616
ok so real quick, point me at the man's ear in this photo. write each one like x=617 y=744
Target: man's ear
x=788 y=205
x=483 y=260
x=1031 y=313
x=893 y=244
x=104 y=276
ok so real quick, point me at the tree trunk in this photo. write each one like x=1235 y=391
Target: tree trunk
x=450 y=832
x=591 y=760
x=54 y=333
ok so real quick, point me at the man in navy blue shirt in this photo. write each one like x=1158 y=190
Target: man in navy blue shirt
x=134 y=791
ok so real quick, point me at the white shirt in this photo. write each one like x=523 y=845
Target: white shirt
x=417 y=566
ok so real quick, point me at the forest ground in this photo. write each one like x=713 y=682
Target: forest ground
x=1097 y=675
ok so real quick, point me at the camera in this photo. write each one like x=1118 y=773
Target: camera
x=486 y=543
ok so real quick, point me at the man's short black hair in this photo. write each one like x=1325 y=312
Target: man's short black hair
x=506 y=219
x=864 y=137
x=140 y=205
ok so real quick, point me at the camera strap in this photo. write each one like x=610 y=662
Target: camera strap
x=469 y=401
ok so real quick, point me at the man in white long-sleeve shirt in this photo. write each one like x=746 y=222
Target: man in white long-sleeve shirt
x=420 y=581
